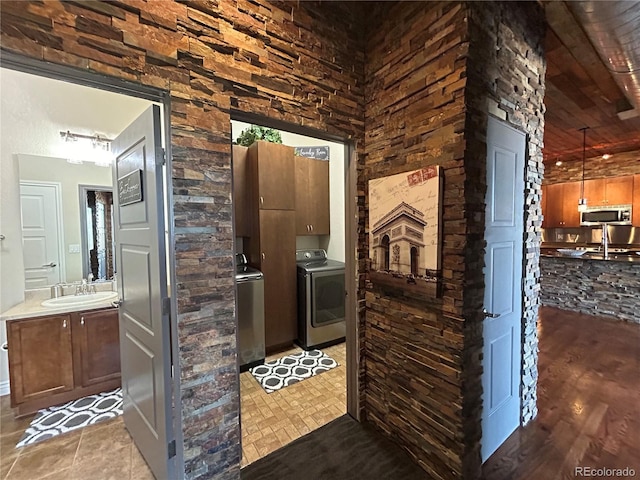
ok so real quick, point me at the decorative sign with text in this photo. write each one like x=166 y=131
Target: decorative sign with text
x=319 y=153
x=130 y=188
x=405 y=212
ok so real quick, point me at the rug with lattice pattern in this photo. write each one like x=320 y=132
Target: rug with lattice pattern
x=58 y=419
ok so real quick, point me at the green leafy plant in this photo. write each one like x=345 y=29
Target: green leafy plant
x=254 y=132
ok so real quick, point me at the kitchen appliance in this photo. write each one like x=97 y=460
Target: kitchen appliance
x=610 y=214
x=250 y=307
x=321 y=299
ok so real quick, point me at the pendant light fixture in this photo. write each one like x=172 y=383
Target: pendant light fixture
x=582 y=203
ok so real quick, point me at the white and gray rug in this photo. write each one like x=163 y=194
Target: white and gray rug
x=58 y=419
x=291 y=369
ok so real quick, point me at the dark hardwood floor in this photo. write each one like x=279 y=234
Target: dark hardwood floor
x=588 y=402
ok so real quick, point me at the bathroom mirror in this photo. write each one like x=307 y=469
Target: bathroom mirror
x=73 y=221
x=98 y=244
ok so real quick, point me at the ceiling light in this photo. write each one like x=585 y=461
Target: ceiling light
x=558 y=163
x=606 y=156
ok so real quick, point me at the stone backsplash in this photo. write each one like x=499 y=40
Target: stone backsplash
x=594 y=287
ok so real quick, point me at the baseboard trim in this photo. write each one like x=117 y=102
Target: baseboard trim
x=4 y=388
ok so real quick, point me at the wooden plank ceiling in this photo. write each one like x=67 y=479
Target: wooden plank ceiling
x=580 y=92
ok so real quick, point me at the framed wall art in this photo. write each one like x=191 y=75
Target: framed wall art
x=405 y=237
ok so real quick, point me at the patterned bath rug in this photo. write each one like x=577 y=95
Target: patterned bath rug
x=291 y=369
x=58 y=419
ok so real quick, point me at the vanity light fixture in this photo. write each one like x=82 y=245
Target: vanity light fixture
x=582 y=203
x=87 y=148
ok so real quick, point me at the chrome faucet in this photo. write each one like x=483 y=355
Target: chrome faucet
x=605 y=242
x=84 y=288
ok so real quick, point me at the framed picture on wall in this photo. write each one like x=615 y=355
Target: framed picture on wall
x=405 y=236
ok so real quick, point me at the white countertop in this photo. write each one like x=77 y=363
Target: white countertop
x=31 y=307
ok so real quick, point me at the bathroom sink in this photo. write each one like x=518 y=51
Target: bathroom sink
x=79 y=300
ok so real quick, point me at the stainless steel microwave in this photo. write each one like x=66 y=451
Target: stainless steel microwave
x=610 y=214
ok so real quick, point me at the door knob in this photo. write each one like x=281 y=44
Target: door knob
x=116 y=304
x=51 y=264
x=489 y=314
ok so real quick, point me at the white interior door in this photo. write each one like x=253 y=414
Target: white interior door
x=142 y=286
x=40 y=241
x=503 y=285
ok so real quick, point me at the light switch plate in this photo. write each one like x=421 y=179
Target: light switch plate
x=74 y=248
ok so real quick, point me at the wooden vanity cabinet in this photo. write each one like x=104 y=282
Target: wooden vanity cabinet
x=312 y=196
x=58 y=358
x=96 y=342
x=40 y=358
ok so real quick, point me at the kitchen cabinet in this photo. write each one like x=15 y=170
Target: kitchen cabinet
x=561 y=205
x=242 y=220
x=636 y=201
x=271 y=176
x=273 y=251
x=609 y=191
x=57 y=358
x=312 y=196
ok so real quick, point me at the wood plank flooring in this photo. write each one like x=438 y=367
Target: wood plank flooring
x=588 y=402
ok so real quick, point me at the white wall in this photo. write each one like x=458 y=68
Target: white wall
x=49 y=169
x=334 y=244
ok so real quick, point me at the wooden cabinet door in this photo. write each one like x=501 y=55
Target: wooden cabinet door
x=594 y=192
x=275 y=170
x=553 y=214
x=319 y=197
x=240 y=192
x=278 y=264
x=619 y=190
x=303 y=206
x=570 y=198
x=96 y=338
x=40 y=357
x=636 y=201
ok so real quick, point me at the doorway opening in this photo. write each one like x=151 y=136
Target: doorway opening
x=414 y=261
x=58 y=100
x=384 y=243
x=312 y=227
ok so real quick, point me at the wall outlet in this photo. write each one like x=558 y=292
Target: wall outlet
x=74 y=248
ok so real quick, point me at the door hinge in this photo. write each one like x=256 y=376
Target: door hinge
x=166 y=306
x=172 y=448
x=161 y=156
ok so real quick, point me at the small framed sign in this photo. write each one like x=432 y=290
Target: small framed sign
x=130 y=188
x=319 y=153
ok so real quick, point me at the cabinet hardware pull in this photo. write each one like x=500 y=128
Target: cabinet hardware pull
x=261 y=200
x=311 y=228
x=64 y=324
x=263 y=256
x=81 y=320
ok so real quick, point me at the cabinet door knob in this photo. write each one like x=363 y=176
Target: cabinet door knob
x=64 y=324
x=81 y=320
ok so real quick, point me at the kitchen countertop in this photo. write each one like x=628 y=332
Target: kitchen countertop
x=31 y=307
x=613 y=257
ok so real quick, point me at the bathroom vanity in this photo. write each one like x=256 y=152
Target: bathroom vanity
x=56 y=356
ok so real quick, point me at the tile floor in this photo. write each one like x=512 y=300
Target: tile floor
x=103 y=451
x=269 y=421
x=106 y=452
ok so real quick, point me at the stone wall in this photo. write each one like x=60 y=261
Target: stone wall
x=430 y=85
x=299 y=62
x=618 y=165
x=506 y=78
x=414 y=117
x=595 y=287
